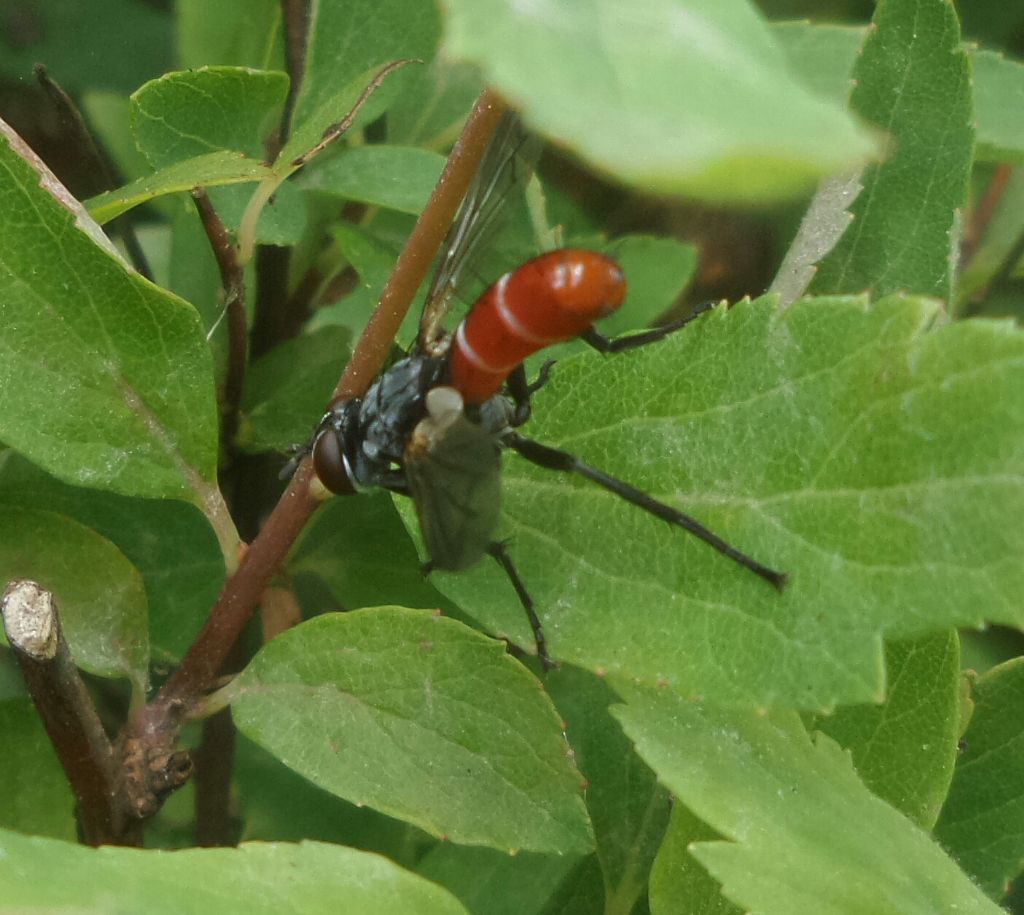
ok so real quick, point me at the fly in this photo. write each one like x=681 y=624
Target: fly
x=434 y=425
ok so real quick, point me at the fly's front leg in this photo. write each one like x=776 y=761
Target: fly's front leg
x=395 y=482
x=298 y=453
x=605 y=344
x=554 y=459
x=521 y=390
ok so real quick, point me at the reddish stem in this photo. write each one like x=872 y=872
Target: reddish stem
x=198 y=670
x=419 y=251
x=984 y=211
x=232 y=280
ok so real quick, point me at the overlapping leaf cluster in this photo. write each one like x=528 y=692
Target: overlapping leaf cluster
x=865 y=438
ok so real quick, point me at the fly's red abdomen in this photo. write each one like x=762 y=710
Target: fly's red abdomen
x=550 y=299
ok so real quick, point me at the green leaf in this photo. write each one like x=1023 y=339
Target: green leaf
x=821 y=54
x=659 y=269
x=823 y=57
x=350 y=38
x=99 y=593
x=210 y=170
x=604 y=79
x=904 y=749
x=1000 y=86
x=430 y=109
x=334 y=108
x=782 y=801
x=981 y=650
x=276 y=878
x=981 y=823
x=282 y=220
x=169 y=542
x=491 y=882
x=399 y=177
x=238 y=33
x=195 y=112
x=12 y=686
x=679 y=884
x=361 y=551
x=773 y=430
x=913 y=81
x=193 y=274
x=111 y=45
x=107 y=379
x=373 y=258
x=581 y=892
x=826 y=219
x=287 y=390
x=34 y=792
x=108 y=115
x=628 y=808
x=421 y=718
x=999 y=243
x=280 y=805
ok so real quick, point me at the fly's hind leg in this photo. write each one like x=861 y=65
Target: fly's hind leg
x=500 y=555
x=605 y=344
x=555 y=459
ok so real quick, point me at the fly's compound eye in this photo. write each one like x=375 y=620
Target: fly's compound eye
x=330 y=464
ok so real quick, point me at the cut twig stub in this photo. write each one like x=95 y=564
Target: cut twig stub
x=32 y=624
x=30 y=619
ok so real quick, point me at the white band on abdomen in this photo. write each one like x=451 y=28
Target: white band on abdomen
x=471 y=354
x=513 y=323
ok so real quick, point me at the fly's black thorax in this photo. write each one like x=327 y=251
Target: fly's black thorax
x=376 y=427
x=394 y=405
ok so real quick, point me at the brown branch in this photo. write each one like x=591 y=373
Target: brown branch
x=274 y=317
x=214 y=770
x=984 y=212
x=232 y=278
x=215 y=766
x=160 y=719
x=274 y=321
x=419 y=251
x=69 y=716
x=295 y=19
x=95 y=170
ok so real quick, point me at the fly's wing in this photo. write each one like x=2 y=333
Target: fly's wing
x=507 y=165
x=454 y=473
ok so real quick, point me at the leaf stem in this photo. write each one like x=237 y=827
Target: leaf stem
x=253 y=210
